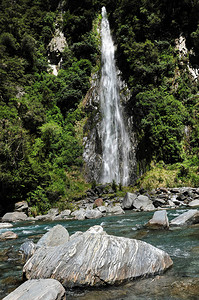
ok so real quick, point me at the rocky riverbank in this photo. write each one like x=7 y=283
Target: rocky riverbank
x=100 y=201
x=56 y=250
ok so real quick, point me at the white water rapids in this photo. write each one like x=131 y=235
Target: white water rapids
x=115 y=140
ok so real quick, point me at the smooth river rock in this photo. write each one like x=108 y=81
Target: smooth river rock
x=194 y=203
x=42 y=289
x=93 y=214
x=5 y=225
x=95 y=258
x=55 y=236
x=8 y=235
x=140 y=202
x=143 y=203
x=14 y=217
x=117 y=210
x=188 y=218
x=79 y=214
x=159 y=220
x=128 y=200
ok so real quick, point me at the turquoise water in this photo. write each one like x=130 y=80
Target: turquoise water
x=182 y=244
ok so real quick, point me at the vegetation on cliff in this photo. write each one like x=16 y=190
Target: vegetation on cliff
x=41 y=116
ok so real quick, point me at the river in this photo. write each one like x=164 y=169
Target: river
x=182 y=244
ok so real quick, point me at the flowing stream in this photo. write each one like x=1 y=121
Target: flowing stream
x=182 y=244
x=115 y=140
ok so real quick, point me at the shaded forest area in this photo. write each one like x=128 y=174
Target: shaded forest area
x=41 y=115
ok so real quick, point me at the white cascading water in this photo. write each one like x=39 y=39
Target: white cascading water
x=115 y=140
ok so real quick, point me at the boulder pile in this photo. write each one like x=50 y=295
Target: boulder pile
x=101 y=201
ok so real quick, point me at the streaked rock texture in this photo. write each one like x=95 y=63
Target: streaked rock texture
x=188 y=218
x=95 y=258
x=42 y=289
x=27 y=249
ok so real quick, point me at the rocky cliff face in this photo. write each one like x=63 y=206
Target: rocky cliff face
x=180 y=45
x=92 y=131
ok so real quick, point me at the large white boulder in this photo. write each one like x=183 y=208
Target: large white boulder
x=96 y=258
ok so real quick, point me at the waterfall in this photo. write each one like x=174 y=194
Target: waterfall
x=114 y=137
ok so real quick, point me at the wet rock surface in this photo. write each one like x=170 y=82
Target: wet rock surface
x=160 y=287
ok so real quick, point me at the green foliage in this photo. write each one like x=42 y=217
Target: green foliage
x=40 y=127
x=39 y=199
x=114 y=186
x=164 y=97
x=41 y=118
x=72 y=84
x=162 y=124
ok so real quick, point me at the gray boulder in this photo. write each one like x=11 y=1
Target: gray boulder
x=93 y=214
x=14 y=217
x=79 y=214
x=50 y=216
x=140 y=202
x=128 y=200
x=171 y=203
x=65 y=213
x=188 y=218
x=194 y=203
x=42 y=289
x=117 y=210
x=95 y=258
x=21 y=206
x=102 y=209
x=55 y=236
x=5 y=225
x=53 y=212
x=43 y=218
x=27 y=249
x=159 y=220
x=8 y=235
x=143 y=203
